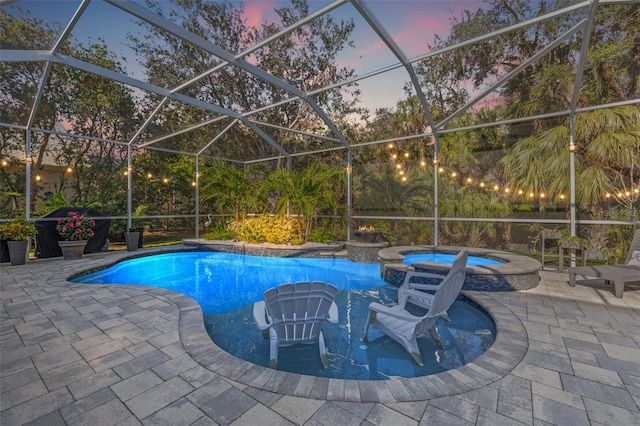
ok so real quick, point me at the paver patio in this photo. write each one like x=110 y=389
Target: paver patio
x=124 y=355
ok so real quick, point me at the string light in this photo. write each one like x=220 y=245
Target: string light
x=470 y=180
x=69 y=169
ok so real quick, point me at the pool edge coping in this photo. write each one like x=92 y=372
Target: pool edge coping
x=507 y=351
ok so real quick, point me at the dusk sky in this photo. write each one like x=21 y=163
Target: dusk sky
x=412 y=24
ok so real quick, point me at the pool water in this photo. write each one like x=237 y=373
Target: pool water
x=226 y=285
x=410 y=259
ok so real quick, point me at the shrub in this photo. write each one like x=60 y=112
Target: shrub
x=220 y=233
x=17 y=229
x=269 y=229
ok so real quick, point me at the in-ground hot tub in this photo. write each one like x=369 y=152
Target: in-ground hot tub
x=515 y=272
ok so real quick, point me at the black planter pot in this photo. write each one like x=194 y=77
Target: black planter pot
x=4 y=252
x=141 y=237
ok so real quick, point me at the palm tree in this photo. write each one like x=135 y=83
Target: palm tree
x=607 y=146
x=233 y=190
x=466 y=201
x=304 y=192
x=607 y=154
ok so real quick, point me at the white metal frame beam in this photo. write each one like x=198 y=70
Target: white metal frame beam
x=207 y=46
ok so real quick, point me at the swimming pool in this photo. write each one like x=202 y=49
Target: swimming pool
x=226 y=285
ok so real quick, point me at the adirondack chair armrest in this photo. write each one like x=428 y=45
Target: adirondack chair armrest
x=419 y=297
x=263 y=321
x=393 y=311
x=407 y=295
x=333 y=313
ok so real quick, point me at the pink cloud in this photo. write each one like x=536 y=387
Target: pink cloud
x=256 y=12
x=373 y=47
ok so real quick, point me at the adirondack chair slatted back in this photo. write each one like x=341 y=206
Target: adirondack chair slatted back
x=442 y=300
x=460 y=262
x=635 y=245
x=299 y=310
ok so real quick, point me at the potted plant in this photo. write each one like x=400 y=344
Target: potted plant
x=132 y=237
x=18 y=233
x=76 y=229
x=139 y=225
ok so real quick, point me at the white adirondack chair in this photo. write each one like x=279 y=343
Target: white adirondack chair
x=424 y=298
x=295 y=313
x=404 y=327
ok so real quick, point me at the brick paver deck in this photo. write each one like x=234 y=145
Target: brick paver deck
x=123 y=355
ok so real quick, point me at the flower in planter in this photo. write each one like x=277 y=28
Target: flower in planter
x=75 y=227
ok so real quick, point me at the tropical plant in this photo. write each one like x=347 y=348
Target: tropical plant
x=220 y=233
x=304 y=193
x=17 y=229
x=75 y=227
x=232 y=190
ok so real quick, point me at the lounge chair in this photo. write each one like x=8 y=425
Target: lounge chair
x=618 y=274
x=295 y=313
x=424 y=298
x=404 y=327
